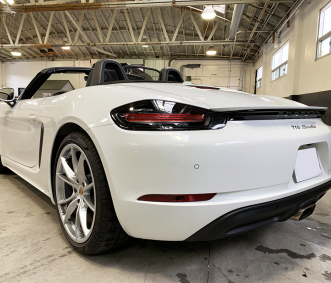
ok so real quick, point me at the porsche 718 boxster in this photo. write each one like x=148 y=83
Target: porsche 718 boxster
x=136 y=154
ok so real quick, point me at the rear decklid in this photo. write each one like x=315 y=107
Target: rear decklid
x=217 y=99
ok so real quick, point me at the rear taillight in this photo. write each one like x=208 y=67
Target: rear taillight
x=160 y=117
x=177 y=198
x=149 y=115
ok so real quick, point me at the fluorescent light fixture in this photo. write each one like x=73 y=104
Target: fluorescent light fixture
x=211 y=51
x=10 y=2
x=16 y=52
x=208 y=13
x=65 y=47
x=145 y=46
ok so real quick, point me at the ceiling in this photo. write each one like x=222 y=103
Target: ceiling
x=101 y=31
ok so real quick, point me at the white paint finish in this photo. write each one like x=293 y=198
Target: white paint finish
x=305 y=74
x=20 y=133
x=163 y=163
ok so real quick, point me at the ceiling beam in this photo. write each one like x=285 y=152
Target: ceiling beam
x=151 y=43
x=49 y=27
x=196 y=27
x=144 y=25
x=110 y=28
x=95 y=19
x=36 y=28
x=20 y=29
x=120 y=4
x=129 y=26
x=162 y=25
x=178 y=26
x=6 y=28
x=255 y=27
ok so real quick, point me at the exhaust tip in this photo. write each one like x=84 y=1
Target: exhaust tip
x=304 y=212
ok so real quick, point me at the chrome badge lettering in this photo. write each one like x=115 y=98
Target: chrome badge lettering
x=303 y=127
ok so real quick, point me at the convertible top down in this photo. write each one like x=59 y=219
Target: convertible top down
x=140 y=153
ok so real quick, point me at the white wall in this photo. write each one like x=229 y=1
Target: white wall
x=157 y=64
x=235 y=74
x=2 y=74
x=305 y=73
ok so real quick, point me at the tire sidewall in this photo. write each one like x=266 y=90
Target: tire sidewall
x=75 y=138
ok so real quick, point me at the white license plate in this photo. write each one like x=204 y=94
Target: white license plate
x=307 y=165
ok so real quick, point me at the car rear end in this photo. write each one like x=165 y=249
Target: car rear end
x=243 y=168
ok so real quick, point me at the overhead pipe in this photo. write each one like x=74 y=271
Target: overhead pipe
x=281 y=24
x=170 y=43
x=238 y=12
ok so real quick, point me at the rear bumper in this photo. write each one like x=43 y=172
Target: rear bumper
x=246 y=163
x=254 y=216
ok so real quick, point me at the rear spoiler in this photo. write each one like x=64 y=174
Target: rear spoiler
x=267 y=108
x=270 y=112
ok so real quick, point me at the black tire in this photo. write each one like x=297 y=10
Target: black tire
x=107 y=233
x=2 y=168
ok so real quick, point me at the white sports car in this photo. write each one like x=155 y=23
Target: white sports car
x=163 y=160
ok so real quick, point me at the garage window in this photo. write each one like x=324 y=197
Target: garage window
x=324 y=31
x=259 y=77
x=279 y=62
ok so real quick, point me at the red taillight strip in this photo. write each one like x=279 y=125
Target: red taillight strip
x=160 y=117
x=177 y=198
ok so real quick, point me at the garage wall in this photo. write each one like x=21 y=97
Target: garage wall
x=306 y=75
x=222 y=73
x=2 y=74
x=157 y=64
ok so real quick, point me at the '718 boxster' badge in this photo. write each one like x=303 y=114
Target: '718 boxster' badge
x=303 y=127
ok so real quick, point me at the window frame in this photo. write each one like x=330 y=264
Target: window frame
x=282 y=64
x=320 y=39
x=259 y=80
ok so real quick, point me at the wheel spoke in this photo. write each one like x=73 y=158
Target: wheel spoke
x=88 y=202
x=81 y=170
x=77 y=222
x=83 y=219
x=69 y=173
x=65 y=179
x=74 y=159
x=70 y=209
x=88 y=187
x=64 y=201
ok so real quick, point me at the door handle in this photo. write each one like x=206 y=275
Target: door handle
x=32 y=117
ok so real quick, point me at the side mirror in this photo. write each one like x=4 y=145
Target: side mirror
x=7 y=95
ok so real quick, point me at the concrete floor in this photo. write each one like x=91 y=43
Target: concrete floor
x=34 y=249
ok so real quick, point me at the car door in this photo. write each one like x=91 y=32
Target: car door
x=21 y=131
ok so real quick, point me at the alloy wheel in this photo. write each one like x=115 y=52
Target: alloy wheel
x=75 y=193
